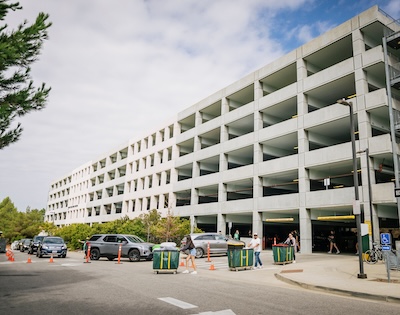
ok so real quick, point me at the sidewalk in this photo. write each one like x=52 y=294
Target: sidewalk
x=339 y=275
x=327 y=272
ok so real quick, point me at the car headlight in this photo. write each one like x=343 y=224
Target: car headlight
x=45 y=247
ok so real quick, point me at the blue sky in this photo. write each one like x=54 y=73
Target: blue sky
x=119 y=70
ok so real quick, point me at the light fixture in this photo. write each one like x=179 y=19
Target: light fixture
x=279 y=220
x=337 y=217
x=338 y=186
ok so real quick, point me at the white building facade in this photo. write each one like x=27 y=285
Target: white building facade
x=270 y=153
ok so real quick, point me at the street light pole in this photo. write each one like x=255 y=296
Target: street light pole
x=356 y=205
x=369 y=193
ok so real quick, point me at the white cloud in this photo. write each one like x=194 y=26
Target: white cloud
x=393 y=9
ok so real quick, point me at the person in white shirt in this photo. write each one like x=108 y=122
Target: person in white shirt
x=255 y=243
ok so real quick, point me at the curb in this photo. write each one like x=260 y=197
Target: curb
x=362 y=295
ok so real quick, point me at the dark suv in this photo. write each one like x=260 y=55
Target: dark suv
x=35 y=244
x=25 y=244
x=107 y=245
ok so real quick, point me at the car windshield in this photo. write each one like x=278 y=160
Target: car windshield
x=53 y=240
x=134 y=239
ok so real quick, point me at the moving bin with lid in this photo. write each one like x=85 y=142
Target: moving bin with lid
x=283 y=254
x=239 y=258
x=166 y=259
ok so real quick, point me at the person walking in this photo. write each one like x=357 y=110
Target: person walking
x=84 y=247
x=255 y=243
x=332 y=243
x=236 y=236
x=191 y=256
x=291 y=241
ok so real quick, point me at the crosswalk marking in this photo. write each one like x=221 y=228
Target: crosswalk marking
x=223 y=312
x=178 y=303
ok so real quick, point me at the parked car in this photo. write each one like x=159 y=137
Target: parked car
x=33 y=246
x=20 y=243
x=218 y=243
x=25 y=244
x=107 y=245
x=52 y=246
x=14 y=245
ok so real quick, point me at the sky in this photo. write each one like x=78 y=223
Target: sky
x=118 y=69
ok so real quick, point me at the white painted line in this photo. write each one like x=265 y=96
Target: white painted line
x=224 y=312
x=177 y=303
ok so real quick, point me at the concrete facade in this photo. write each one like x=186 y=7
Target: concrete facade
x=271 y=148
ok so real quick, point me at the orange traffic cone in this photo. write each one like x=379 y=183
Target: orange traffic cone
x=182 y=264
x=212 y=267
x=29 y=259
x=51 y=259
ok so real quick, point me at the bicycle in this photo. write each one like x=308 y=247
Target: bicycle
x=371 y=256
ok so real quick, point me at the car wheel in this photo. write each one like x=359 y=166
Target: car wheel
x=199 y=252
x=134 y=255
x=94 y=254
x=110 y=258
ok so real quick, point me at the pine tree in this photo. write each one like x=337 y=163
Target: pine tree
x=19 y=48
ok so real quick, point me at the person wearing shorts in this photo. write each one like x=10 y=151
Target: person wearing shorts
x=332 y=243
x=191 y=256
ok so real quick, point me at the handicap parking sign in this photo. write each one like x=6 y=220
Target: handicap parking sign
x=385 y=239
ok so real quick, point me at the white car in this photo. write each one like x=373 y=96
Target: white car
x=14 y=245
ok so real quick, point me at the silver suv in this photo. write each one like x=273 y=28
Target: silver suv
x=107 y=245
x=218 y=243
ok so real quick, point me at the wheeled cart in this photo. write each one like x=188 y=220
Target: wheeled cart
x=240 y=258
x=283 y=254
x=165 y=260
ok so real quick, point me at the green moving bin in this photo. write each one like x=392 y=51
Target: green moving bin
x=165 y=260
x=283 y=254
x=240 y=258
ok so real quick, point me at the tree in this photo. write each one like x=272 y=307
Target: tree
x=8 y=217
x=150 y=220
x=18 y=50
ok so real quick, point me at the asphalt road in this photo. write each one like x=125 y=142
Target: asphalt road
x=70 y=286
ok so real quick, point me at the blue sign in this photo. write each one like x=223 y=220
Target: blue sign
x=385 y=239
x=386 y=247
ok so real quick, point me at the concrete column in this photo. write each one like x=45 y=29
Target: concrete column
x=222 y=195
x=224 y=106
x=258 y=121
x=197 y=144
x=221 y=223
x=223 y=162
x=258 y=154
x=193 y=223
x=161 y=202
x=196 y=169
x=198 y=119
x=257 y=188
x=224 y=134
x=305 y=230
x=194 y=198
x=257 y=224
x=258 y=91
